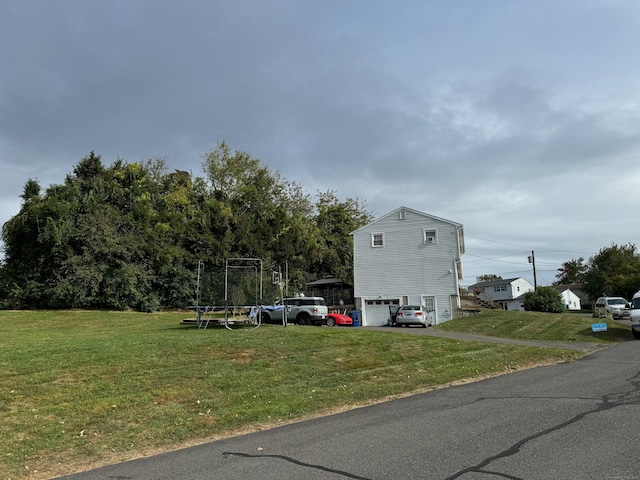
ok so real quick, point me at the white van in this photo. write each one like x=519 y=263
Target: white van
x=634 y=310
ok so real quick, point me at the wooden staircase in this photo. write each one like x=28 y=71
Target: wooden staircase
x=474 y=304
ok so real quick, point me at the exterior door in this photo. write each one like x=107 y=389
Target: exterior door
x=429 y=306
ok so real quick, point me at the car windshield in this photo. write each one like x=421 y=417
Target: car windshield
x=635 y=303
x=616 y=301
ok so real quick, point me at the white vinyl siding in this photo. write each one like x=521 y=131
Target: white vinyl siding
x=407 y=266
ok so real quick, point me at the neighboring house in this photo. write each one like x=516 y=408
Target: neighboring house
x=577 y=289
x=407 y=257
x=570 y=300
x=508 y=293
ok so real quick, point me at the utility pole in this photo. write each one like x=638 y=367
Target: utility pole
x=532 y=259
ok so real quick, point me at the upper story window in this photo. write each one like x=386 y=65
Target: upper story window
x=403 y=214
x=500 y=288
x=377 y=239
x=430 y=236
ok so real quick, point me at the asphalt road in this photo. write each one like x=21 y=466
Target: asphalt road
x=567 y=421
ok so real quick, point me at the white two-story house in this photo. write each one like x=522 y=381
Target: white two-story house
x=507 y=293
x=407 y=257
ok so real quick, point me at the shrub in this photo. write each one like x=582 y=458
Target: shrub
x=543 y=299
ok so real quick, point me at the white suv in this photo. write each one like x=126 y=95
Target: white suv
x=301 y=310
x=618 y=307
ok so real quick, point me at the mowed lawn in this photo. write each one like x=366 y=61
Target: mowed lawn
x=80 y=389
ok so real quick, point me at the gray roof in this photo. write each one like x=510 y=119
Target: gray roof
x=493 y=283
x=328 y=282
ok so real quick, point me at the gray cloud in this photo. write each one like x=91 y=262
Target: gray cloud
x=515 y=119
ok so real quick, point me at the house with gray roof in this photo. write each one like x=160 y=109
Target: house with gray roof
x=508 y=293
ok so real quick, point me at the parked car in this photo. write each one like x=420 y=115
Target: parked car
x=634 y=314
x=618 y=307
x=411 y=315
x=334 y=319
x=300 y=310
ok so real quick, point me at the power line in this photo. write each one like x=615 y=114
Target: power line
x=524 y=246
x=494 y=259
x=505 y=261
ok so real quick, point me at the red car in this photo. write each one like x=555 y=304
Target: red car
x=334 y=319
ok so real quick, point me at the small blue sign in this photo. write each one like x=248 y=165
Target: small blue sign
x=598 y=327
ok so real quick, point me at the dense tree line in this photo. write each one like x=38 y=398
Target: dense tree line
x=130 y=235
x=613 y=271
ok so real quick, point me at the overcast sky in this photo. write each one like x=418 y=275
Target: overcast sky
x=518 y=119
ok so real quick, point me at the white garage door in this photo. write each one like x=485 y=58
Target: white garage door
x=377 y=311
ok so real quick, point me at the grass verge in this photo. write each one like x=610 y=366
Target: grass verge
x=81 y=389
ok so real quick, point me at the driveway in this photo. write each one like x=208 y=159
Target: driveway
x=435 y=332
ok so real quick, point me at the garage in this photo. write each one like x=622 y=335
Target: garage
x=376 y=312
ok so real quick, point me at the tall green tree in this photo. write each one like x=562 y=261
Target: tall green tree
x=268 y=217
x=335 y=220
x=572 y=271
x=95 y=240
x=613 y=271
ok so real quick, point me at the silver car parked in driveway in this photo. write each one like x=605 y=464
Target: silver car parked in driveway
x=411 y=315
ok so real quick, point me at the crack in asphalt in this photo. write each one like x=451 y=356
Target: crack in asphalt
x=297 y=462
x=607 y=402
x=625 y=398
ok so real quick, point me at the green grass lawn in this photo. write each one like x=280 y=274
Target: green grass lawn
x=80 y=389
x=567 y=327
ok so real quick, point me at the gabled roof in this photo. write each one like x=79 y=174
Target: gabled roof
x=417 y=212
x=493 y=283
x=576 y=288
x=561 y=288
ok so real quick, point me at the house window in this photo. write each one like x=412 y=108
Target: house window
x=430 y=236
x=403 y=214
x=501 y=288
x=377 y=239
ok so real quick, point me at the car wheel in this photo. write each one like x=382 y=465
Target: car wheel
x=331 y=322
x=303 y=319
